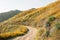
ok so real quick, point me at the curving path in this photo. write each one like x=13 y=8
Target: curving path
x=29 y=36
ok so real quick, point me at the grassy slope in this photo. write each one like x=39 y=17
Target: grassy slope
x=12 y=31
x=8 y=30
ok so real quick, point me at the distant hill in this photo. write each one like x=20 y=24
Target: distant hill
x=7 y=15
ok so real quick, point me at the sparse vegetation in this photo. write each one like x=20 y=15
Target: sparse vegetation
x=47 y=33
x=50 y=20
x=57 y=26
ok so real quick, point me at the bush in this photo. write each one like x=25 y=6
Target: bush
x=57 y=26
x=51 y=18
x=47 y=33
x=48 y=24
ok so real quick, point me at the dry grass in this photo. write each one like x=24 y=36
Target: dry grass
x=12 y=30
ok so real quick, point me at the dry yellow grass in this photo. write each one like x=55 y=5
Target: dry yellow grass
x=12 y=30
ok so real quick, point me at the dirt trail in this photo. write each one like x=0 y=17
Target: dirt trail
x=29 y=36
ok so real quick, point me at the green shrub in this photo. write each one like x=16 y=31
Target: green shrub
x=47 y=24
x=47 y=33
x=51 y=18
x=57 y=26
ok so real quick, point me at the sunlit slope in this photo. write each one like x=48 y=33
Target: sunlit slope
x=27 y=18
x=51 y=28
x=19 y=15
x=50 y=31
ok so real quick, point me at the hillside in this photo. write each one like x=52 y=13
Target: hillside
x=6 y=15
x=45 y=19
